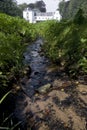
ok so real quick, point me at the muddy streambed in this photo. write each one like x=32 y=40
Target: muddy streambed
x=49 y=100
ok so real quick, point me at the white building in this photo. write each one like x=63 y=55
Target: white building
x=34 y=16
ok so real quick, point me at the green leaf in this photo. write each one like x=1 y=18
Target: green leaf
x=3 y=98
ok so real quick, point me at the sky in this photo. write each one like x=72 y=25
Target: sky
x=51 y=5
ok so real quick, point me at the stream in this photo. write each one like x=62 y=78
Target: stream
x=62 y=107
x=41 y=74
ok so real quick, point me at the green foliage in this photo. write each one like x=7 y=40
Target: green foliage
x=68 y=9
x=64 y=9
x=14 y=33
x=79 y=18
x=66 y=43
x=2 y=99
x=38 y=5
x=10 y=7
x=23 y=6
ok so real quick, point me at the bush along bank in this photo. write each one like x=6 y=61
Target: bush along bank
x=15 y=34
x=66 y=43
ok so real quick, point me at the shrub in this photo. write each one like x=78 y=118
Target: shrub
x=66 y=43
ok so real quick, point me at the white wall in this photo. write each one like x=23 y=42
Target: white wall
x=57 y=16
x=29 y=16
x=43 y=18
x=25 y=15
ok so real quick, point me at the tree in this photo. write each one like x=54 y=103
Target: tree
x=41 y=6
x=63 y=8
x=23 y=6
x=10 y=7
x=79 y=18
x=68 y=9
x=31 y=6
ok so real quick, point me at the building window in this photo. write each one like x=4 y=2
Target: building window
x=34 y=13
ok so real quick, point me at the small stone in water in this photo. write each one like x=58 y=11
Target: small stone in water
x=44 y=88
x=62 y=90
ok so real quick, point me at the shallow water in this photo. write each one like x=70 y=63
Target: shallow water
x=42 y=73
x=40 y=67
x=58 y=108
